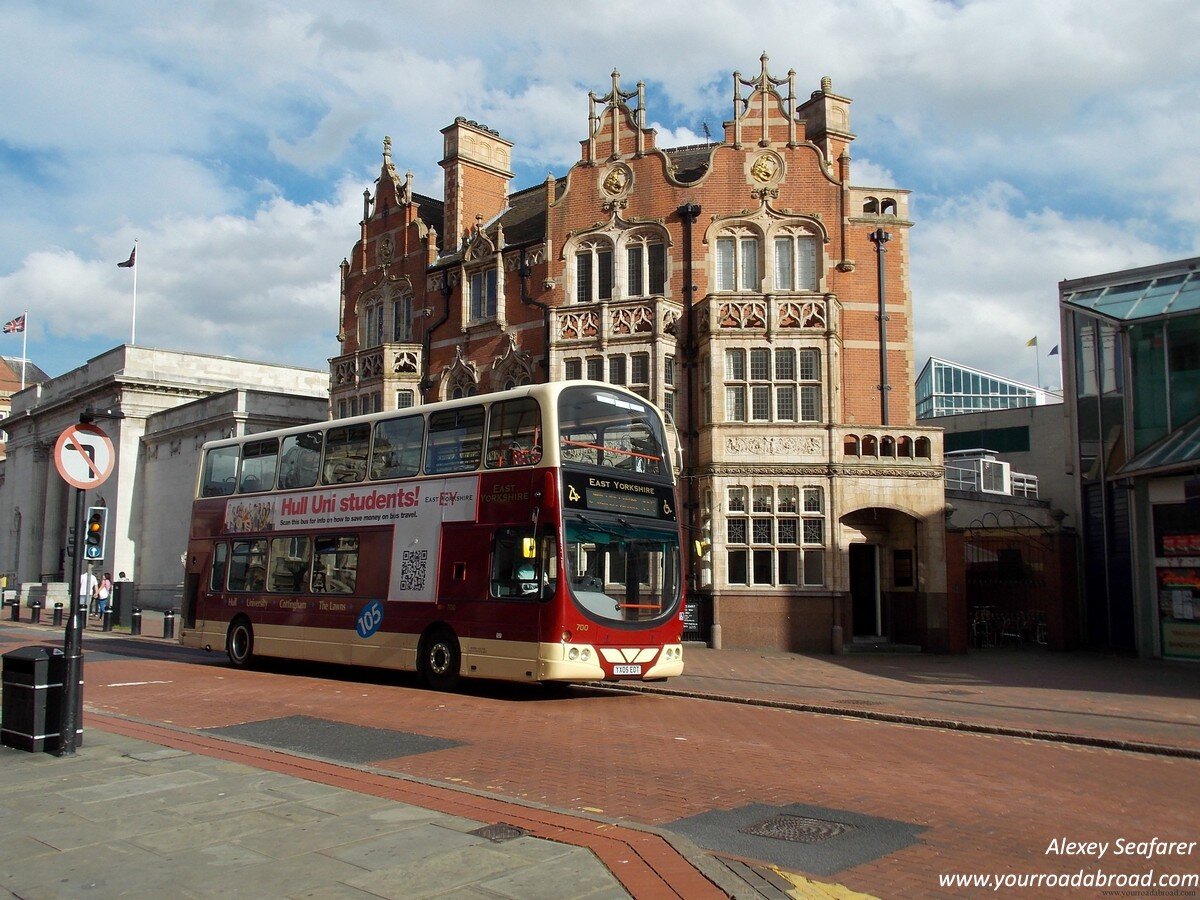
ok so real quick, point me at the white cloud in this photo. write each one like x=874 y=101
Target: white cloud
x=985 y=277
x=218 y=133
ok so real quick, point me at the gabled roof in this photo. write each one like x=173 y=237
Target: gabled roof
x=525 y=219
x=432 y=209
x=10 y=374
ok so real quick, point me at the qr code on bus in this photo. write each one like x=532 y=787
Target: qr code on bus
x=412 y=569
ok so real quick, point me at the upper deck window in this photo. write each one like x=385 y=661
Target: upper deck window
x=301 y=460
x=258 y=465
x=515 y=434
x=455 y=440
x=603 y=428
x=397 y=450
x=220 y=471
x=346 y=454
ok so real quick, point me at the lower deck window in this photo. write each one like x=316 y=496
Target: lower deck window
x=326 y=564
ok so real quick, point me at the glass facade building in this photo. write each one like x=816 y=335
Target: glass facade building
x=947 y=389
x=1132 y=362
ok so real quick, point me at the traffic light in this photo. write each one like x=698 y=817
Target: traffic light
x=97 y=528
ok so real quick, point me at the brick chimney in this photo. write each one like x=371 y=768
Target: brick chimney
x=477 y=164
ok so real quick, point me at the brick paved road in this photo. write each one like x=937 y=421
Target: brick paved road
x=986 y=804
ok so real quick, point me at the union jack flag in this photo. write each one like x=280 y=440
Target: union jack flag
x=16 y=325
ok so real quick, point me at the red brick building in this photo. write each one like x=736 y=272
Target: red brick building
x=737 y=285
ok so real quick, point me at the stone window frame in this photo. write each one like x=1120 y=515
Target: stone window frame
x=599 y=250
x=779 y=386
x=775 y=535
x=741 y=281
x=794 y=233
x=607 y=250
x=370 y=314
x=643 y=239
x=402 y=318
x=488 y=277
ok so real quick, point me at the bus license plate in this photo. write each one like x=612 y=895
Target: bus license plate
x=627 y=670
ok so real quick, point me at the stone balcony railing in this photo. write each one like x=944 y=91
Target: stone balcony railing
x=596 y=324
x=769 y=313
x=374 y=363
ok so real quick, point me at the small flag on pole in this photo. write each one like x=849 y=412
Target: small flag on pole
x=1032 y=342
x=1053 y=352
x=131 y=262
x=16 y=326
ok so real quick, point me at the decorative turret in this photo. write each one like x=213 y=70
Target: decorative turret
x=477 y=164
x=826 y=118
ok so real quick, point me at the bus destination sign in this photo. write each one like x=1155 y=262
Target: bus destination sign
x=617 y=495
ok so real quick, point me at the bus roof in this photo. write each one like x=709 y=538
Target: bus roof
x=544 y=392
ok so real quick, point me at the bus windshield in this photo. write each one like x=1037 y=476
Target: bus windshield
x=602 y=428
x=622 y=573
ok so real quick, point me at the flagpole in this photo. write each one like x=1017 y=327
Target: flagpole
x=1037 y=355
x=24 y=346
x=133 y=322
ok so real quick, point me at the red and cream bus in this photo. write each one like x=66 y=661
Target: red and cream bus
x=529 y=535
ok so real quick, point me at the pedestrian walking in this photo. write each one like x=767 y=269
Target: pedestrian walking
x=88 y=588
x=103 y=592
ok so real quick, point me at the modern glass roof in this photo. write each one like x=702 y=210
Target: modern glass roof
x=1178 y=450
x=1142 y=299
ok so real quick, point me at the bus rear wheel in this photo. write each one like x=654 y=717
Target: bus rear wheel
x=441 y=660
x=239 y=644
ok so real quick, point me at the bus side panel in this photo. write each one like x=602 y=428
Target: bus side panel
x=331 y=622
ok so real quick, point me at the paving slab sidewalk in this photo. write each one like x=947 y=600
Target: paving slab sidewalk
x=1105 y=700
x=129 y=817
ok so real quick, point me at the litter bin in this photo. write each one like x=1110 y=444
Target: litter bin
x=121 y=603
x=33 y=696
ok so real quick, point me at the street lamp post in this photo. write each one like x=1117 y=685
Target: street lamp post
x=879 y=237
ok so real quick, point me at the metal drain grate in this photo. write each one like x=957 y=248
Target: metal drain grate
x=797 y=829
x=498 y=834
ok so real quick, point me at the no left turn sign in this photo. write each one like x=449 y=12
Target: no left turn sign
x=84 y=456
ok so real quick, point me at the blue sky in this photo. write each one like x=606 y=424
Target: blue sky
x=233 y=140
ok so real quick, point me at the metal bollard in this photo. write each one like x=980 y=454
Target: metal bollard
x=135 y=622
x=16 y=609
x=169 y=623
x=35 y=612
x=106 y=620
x=58 y=615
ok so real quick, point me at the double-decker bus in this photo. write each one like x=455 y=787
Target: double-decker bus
x=529 y=534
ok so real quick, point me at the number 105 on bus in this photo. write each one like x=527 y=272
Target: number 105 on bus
x=528 y=535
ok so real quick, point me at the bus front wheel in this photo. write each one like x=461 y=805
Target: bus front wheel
x=441 y=660
x=239 y=644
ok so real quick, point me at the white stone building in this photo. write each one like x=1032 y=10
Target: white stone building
x=170 y=403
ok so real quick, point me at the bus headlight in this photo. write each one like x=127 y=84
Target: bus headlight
x=573 y=654
x=585 y=655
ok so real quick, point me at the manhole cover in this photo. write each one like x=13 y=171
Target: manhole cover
x=498 y=834
x=797 y=829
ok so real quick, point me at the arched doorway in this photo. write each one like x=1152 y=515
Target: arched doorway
x=866 y=610
x=881 y=575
